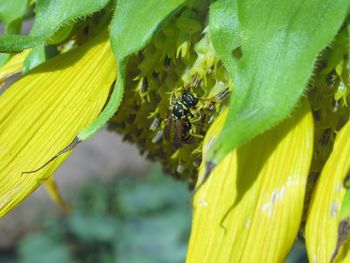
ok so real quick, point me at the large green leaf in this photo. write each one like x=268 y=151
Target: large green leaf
x=224 y=31
x=50 y=16
x=280 y=41
x=133 y=25
x=136 y=21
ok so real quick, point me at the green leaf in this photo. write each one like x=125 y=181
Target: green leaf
x=4 y=58
x=11 y=13
x=37 y=56
x=133 y=25
x=280 y=41
x=345 y=207
x=60 y=35
x=348 y=29
x=50 y=16
x=224 y=31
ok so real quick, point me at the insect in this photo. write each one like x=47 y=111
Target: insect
x=182 y=116
x=179 y=117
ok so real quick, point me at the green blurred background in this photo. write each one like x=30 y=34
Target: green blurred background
x=135 y=219
x=131 y=218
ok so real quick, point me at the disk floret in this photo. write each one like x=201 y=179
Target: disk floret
x=179 y=59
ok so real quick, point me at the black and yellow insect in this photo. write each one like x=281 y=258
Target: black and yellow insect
x=182 y=116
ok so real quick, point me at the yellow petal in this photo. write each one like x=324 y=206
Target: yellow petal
x=251 y=206
x=323 y=218
x=13 y=66
x=55 y=194
x=43 y=111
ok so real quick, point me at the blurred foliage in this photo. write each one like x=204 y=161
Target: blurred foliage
x=132 y=219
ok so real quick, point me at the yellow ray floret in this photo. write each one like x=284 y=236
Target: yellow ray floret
x=323 y=218
x=250 y=208
x=52 y=189
x=13 y=66
x=43 y=111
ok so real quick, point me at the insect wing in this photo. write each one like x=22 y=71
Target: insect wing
x=168 y=126
x=178 y=132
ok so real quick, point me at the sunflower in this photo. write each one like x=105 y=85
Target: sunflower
x=247 y=101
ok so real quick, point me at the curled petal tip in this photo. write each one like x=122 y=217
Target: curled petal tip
x=70 y=147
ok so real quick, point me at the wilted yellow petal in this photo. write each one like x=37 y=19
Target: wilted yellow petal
x=43 y=111
x=323 y=218
x=251 y=206
x=13 y=66
x=54 y=192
